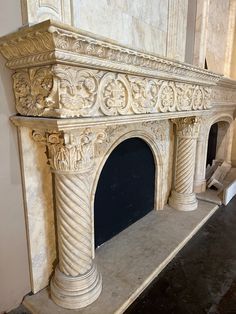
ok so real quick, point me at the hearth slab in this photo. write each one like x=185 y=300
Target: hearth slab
x=132 y=259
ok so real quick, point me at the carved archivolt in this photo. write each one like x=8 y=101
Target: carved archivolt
x=66 y=91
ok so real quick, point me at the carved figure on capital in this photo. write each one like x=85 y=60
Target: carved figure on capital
x=70 y=151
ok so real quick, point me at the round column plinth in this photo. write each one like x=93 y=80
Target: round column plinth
x=76 y=292
x=184 y=202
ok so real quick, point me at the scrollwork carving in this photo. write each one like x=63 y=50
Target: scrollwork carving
x=34 y=91
x=66 y=91
x=78 y=89
x=167 y=97
x=144 y=94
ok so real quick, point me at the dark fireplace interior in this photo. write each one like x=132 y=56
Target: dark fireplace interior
x=125 y=191
x=212 y=144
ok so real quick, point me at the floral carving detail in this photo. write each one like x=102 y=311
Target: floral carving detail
x=114 y=94
x=167 y=97
x=78 y=89
x=198 y=98
x=70 y=151
x=187 y=127
x=33 y=91
x=145 y=94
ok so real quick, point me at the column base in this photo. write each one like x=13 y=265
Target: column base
x=199 y=186
x=184 y=202
x=76 y=292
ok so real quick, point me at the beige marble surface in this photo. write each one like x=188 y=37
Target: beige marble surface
x=148 y=245
x=39 y=212
x=140 y=24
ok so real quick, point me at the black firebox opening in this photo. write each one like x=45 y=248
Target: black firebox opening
x=125 y=191
x=212 y=144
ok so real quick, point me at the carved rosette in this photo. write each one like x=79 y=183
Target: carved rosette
x=114 y=95
x=71 y=157
x=167 y=97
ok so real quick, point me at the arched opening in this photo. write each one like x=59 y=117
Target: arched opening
x=125 y=190
x=217 y=142
x=212 y=144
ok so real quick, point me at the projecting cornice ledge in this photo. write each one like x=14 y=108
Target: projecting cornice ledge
x=64 y=72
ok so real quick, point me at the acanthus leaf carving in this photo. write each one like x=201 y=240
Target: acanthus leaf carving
x=145 y=94
x=66 y=91
x=187 y=127
x=34 y=91
x=71 y=151
x=78 y=89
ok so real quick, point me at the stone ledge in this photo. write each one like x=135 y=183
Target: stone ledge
x=132 y=259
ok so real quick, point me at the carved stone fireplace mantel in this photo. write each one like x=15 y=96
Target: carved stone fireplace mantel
x=77 y=97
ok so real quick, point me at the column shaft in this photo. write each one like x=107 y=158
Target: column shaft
x=182 y=196
x=76 y=282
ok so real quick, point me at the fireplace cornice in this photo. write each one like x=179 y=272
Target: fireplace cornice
x=62 y=72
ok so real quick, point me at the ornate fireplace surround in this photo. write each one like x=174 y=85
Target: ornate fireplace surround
x=77 y=97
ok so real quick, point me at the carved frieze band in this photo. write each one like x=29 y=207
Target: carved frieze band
x=70 y=152
x=66 y=91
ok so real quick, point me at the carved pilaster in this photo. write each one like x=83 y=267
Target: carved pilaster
x=182 y=196
x=76 y=282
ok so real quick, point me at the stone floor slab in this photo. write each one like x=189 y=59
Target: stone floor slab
x=132 y=259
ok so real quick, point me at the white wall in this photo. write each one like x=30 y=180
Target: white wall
x=14 y=269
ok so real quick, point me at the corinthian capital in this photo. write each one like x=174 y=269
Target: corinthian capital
x=187 y=127
x=70 y=151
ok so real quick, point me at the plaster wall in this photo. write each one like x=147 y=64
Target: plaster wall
x=14 y=274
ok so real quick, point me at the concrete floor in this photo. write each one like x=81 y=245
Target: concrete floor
x=202 y=277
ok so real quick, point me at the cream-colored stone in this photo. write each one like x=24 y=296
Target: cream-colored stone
x=217 y=38
x=201 y=32
x=177 y=25
x=114 y=93
x=149 y=243
x=182 y=196
x=38 y=198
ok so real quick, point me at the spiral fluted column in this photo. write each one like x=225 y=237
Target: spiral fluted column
x=182 y=196
x=76 y=282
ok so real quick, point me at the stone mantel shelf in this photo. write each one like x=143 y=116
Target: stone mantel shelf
x=51 y=42
x=62 y=72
